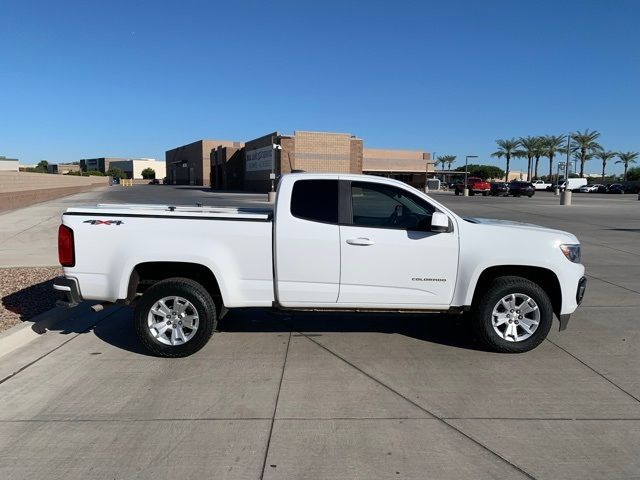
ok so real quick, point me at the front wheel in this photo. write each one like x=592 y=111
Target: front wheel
x=175 y=317
x=513 y=315
x=457 y=192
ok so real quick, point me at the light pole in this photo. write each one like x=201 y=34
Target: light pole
x=565 y=195
x=557 y=189
x=466 y=163
x=272 y=175
x=426 y=173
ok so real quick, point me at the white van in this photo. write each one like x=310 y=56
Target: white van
x=574 y=184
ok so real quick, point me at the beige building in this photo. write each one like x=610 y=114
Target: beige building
x=133 y=168
x=248 y=166
x=9 y=164
x=410 y=166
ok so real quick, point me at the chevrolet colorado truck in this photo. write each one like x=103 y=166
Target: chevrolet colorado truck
x=332 y=242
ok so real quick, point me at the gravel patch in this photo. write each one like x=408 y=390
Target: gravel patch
x=26 y=292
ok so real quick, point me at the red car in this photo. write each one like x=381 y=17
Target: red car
x=475 y=185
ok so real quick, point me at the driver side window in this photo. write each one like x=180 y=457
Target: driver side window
x=383 y=206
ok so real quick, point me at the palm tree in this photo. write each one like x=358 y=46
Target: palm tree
x=506 y=149
x=552 y=144
x=450 y=159
x=626 y=158
x=446 y=160
x=530 y=146
x=584 y=142
x=577 y=157
x=605 y=156
x=539 y=152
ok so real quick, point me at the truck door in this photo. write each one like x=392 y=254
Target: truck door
x=307 y=243
x=389 y=257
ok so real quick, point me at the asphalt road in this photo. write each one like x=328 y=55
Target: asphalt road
x=345 y=396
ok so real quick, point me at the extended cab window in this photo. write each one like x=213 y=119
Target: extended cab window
x=315 y=200
x=383 y=206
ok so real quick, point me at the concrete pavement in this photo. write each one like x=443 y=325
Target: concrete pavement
x=365 y=396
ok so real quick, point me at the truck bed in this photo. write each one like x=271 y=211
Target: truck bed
x=112 y=239
x=158 y=210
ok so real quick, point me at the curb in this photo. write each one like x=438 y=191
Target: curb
x=27 y=331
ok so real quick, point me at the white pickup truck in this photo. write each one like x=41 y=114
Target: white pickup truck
x=332 y=242
x=540 y=184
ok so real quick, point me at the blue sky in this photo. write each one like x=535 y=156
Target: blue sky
x=135 y=78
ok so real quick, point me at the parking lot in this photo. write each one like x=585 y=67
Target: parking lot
x=310 y=395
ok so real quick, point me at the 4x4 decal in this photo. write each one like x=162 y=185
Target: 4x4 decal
x=104 y=222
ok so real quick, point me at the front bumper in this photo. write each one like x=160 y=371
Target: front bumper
x=70 y=290
x=580 y=291
x=582 y=288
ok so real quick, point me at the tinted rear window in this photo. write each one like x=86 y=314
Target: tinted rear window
x=315 y=200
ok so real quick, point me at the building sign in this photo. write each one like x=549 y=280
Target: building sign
x=260 y=159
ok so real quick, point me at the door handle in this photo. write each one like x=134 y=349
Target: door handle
x=362 y=242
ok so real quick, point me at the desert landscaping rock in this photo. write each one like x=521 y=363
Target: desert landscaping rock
x=26 y=292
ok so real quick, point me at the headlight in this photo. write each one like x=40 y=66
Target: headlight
x=571 y=251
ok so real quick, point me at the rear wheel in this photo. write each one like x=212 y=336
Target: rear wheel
x=457 y=192
x=175 y=317
x=514 y=315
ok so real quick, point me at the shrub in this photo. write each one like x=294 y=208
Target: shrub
x=148 y=173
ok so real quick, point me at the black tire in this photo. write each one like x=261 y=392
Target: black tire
x=457 y=192
x=482 y=313
x=189 y=290
x=484 y=194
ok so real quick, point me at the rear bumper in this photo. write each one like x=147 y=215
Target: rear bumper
x=69 y=288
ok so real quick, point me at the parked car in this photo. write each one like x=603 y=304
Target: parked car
x=590 y=188
x=540 y=185
x=602 y=189
x=165 y=181
x=331 y=242
x=499 y=189
x=154 y=181
x=518 y=189
x=475 y=185
x=616 y=188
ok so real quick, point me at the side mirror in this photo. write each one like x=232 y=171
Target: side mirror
x=439 y=222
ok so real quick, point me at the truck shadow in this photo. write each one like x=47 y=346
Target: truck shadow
x=450 y=330
x=30 y=301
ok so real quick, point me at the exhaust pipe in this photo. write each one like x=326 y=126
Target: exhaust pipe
x=98 y=307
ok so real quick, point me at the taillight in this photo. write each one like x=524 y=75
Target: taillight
x=66 y=253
